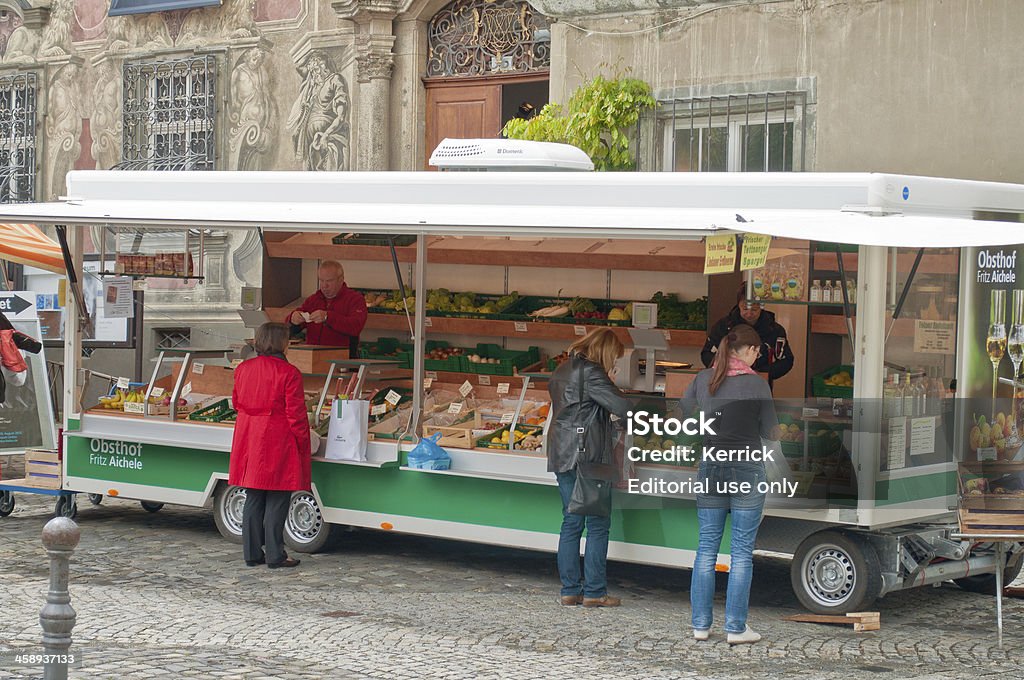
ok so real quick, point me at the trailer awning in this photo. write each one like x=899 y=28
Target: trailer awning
x=25 y=244
x=870 y=209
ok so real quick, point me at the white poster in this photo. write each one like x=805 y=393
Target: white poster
x=117 y=298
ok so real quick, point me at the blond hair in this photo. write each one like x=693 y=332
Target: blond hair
x=601 y=346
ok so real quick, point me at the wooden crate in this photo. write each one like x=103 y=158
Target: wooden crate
x=314 y=359
x=991 y=509
x=460 y=437
x=42 y=469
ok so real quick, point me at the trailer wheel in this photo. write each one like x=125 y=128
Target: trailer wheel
x=305 y=529
x=95 y=498
x=6 y=503
x=836 y=573
x=151 y=506
x=985 y=584
x=66 y=506
x=228 y=503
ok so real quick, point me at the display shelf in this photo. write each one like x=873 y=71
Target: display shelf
x=805 y=303
x=835 y=324
x=152 y=276
x=503 y=329
x=623 y=254
x=507 y=329
x=930 y=264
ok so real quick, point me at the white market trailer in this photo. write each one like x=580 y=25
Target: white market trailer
x=894 y=535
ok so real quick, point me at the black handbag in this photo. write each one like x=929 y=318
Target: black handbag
x=592 y=493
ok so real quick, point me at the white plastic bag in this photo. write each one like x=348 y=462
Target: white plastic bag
x=14 y=379
x=346 y=435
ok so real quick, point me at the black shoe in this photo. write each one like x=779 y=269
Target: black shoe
x=256 y=563
x=287 y=562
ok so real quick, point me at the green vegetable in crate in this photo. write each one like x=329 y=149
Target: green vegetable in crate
x=581 y=305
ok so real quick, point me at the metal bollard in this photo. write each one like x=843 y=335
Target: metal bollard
x=57 y=618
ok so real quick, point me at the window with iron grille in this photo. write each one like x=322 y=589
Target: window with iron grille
x=754 y=132
x=169 y=113
x=17 y=138
x=171 y=338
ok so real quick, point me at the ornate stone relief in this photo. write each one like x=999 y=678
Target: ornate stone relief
x=319 y=120
x=253 y=114
x=106 y=123
x=63 y=124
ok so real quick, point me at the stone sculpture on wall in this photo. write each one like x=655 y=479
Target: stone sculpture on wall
x=319 y=120
x=63 y=127
x=106 y=122
x=234 y=19
x=57 y=32
x=142 y=31
x=253 y=113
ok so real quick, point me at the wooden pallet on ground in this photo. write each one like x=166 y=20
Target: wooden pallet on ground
x=862 y=621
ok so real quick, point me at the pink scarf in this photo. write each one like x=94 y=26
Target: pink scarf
x=738 y=367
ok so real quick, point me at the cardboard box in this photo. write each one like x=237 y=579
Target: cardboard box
x=314 y=359
x=42 y=469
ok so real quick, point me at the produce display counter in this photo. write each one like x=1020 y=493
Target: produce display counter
x=899 y=319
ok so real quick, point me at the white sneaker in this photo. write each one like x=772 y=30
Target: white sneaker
x=701 y=634
x=747 y=637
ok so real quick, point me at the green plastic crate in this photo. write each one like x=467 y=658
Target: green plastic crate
x=532 y=303
x=400 y=240
x=387 y=348
x=820 y=389
x=508 y=360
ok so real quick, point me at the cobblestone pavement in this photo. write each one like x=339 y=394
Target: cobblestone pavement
x=164 y=596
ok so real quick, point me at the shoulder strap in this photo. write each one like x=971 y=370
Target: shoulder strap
x=580 y=430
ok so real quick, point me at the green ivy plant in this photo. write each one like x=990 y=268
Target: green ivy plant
x=598 y=120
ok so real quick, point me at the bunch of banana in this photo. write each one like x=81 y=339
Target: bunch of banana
x=115 y=401
x=552 y=312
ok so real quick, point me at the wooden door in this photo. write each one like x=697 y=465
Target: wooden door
x=461 y=111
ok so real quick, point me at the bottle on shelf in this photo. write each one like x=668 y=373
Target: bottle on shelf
x=920 y=395
x=826 y=292
x=837 y=292
x=892 y=399
x=909 y=397
x=851 y=290
x=816 y=291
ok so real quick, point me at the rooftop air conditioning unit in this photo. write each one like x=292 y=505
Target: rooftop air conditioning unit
x=482 y=155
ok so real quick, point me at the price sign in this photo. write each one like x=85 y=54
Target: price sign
x=139 y=284
x=667 y=334
x=506 y=418
x=158 y=392
x=378 y=409
x=432 y=375
x=485 y=380
x=580 y=330
x=134 y=407
x=198 y=368
x=123 y=383
x=427 y=382
x=466 y=388
x=186 y=390
x=455 y=408
x=520 y=326
x=392 y=397
x=502 y=388
x=427 y=323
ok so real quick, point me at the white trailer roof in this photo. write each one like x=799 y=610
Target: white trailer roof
x=872 y=209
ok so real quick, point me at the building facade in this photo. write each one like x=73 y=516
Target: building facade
x=927 y=87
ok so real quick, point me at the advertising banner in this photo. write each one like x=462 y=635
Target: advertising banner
x=993 y=349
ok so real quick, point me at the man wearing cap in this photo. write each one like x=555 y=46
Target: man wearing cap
x=335 y=314
x=776 y=359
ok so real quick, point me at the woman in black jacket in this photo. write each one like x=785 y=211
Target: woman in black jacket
x=591 y=359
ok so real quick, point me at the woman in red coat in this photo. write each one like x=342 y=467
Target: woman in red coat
x=270 y=452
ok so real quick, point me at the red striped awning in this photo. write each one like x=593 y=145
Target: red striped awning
x=25 y=244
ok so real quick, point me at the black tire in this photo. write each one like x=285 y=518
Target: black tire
x=985 y=584
x=95 y=498
x=6 y=503
x=228 y=502
x=836 y=573
x=305 y=529
x=66 y=506
x=151 y=506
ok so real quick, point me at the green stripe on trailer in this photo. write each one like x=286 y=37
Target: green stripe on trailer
x=145 y=464
x=909 y=489
x=498 y=503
